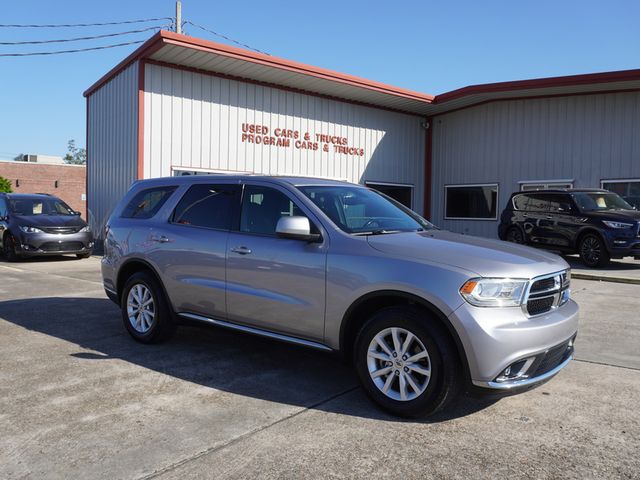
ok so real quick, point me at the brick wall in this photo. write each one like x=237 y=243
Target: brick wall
x=41 y=178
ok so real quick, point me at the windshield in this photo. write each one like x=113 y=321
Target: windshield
x=360 y=211
x=39 y=206
x=589 y=202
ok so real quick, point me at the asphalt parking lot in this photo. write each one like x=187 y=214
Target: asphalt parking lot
x=80 y=399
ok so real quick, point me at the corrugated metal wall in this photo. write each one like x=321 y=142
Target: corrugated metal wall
x=586 y=138
x=195 y=121
x=112 y=144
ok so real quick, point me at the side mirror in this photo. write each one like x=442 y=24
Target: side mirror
x=296 y=228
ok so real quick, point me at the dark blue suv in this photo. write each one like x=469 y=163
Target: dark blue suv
x=596 y=224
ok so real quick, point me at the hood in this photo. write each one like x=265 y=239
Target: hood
x=615 y=215
x=49 y=220
x=484 y=257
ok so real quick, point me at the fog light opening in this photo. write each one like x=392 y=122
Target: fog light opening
x=515 y=371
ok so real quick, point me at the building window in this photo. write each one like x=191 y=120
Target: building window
x=627 y=189
x=399 y=192
x=545 y=185
x=471 y=202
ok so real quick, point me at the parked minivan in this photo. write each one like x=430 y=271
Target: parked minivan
x=422 y=313
x=35 y=225
x=596 y=224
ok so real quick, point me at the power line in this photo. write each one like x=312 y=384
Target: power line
x=72 y=25
x=225 y=37
x=76 y=39
x=30 y=54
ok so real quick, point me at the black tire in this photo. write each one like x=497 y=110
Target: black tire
x=83 y=255
x=593 y=251
x=9 y=248
x=445 y=380
x=163 y=325
x=515 y=235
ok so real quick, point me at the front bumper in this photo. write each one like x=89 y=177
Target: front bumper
x=37 y=244
x=497 y=338
x=625 y=243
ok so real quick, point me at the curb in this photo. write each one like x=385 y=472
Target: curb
x=602 y=278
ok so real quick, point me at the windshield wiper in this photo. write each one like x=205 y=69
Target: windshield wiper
x=378 y=232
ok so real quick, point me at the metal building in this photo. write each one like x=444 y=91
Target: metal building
x=180 y=105
x=493 y=140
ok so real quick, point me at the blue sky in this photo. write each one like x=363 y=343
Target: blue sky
x=428 y=46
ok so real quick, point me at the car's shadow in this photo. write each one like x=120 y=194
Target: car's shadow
x=213 y=357
x=615 y=265
x=42 y=259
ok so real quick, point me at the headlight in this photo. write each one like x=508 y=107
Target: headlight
x=494 y=292
x=26 y=229
x=617 y=224
x=86 y=229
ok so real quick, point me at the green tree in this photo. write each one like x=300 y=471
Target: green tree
x=5 y=185
x=75 y=155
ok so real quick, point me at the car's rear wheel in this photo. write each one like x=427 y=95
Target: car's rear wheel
x=9 y=248
x=406 y=363
x=145 y=310
x=593 y=252
x=515 y=235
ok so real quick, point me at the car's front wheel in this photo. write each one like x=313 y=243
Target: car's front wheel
x=9 y=248
x=406 y=362
x=593 y=251
x=145 y=310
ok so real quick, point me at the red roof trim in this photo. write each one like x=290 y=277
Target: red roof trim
x=147 y=48
x=566 y=81
x=169 y=38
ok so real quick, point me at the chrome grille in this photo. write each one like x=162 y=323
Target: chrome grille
x=547 y=293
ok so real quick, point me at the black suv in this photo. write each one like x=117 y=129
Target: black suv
x=41 y=224
x=597 y=224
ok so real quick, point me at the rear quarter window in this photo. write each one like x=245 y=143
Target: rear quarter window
x=146 y=203
x=520 y=202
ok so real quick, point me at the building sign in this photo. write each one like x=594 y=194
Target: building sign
x=287 y=138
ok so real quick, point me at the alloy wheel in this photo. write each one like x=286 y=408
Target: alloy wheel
x=591 y=250
x=515 y=236
x=399 y=364
x=141 y=308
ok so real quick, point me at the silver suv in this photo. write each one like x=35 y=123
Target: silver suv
x=422 y=313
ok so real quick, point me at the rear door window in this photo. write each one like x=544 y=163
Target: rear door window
x=538 y=203
x=559 y=203
x=208 y=206
x=147 y=202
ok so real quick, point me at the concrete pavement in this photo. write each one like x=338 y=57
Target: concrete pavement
x=625 y=270
x=80 y=399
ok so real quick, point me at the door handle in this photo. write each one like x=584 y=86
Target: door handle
x=241 y=250
x=159 y=239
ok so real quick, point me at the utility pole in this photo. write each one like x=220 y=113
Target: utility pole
x=178 y=16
